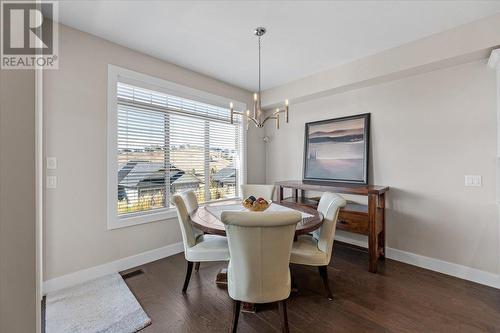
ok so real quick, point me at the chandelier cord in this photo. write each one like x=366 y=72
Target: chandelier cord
x=259 y=67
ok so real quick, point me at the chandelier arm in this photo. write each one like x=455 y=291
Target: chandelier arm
x=269 y=117
x=254 y=121
x=250 y=118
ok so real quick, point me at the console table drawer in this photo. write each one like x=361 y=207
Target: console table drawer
x=353 y=222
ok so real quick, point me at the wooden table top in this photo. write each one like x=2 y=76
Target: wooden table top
x=356 y=189
x=206 y=222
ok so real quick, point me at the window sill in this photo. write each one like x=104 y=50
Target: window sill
x=156 y=216
x=128 y=221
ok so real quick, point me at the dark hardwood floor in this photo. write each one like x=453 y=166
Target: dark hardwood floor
x=400 y=298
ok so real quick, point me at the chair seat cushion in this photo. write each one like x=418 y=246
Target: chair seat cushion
x=208 y=248
x=305 y=251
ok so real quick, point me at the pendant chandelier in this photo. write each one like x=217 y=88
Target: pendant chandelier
x=258 y=117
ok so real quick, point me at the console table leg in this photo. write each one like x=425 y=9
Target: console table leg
x=372 y=266
x=372 y=233
x=381 y=236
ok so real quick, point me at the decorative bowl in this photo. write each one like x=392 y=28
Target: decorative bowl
x=256 y=206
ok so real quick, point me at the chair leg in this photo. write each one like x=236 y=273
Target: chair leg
x=188 y=276
x=294 y=287
x=323 y=271
x=283 y=316
x=197 y=266
x=236 y=315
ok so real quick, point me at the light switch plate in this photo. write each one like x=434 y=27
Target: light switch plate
x=51 y=163
x=473 y=180
x=51 y=181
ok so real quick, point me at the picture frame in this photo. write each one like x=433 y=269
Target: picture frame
x=337 y=150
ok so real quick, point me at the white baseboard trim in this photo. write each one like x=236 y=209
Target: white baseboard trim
x=110 y=267
x=348 y=240
x=437 y=265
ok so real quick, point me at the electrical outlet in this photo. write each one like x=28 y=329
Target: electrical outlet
x=473 y=180
x=51 y=163
x=51 y=181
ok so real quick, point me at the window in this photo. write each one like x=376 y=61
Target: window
x=165 y=144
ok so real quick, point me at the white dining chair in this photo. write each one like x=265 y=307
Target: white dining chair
x=258 y=190
x=258 y=271
x=316 y=249
x=197 y=246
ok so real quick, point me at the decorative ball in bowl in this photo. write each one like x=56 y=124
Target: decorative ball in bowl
x=256 y=204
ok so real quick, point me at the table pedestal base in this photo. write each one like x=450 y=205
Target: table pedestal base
x=248 y=307
x=221 y=279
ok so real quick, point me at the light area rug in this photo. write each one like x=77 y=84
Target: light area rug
x=104 y=305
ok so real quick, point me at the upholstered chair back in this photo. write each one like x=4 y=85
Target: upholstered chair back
x=264 y=191
x=259 y=245
x=191 y=201
x=329 y=205
x=186 y=203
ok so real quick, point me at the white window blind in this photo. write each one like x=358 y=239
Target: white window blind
x=168 y=144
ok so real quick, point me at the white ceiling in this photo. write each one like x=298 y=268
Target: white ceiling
x=304 y=37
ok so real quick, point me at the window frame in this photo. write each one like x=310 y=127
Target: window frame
x=118 y=74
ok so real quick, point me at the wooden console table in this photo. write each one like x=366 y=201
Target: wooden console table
x=367 y=220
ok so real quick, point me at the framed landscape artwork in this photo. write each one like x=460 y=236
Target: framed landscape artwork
x=336 y=150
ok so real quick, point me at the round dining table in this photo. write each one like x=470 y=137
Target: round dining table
x=207 y=222
x=210 y=224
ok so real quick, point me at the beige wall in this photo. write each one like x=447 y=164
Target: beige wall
x=464 y=43
x=76 y=236
x=17 y=201
x=427 y=132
